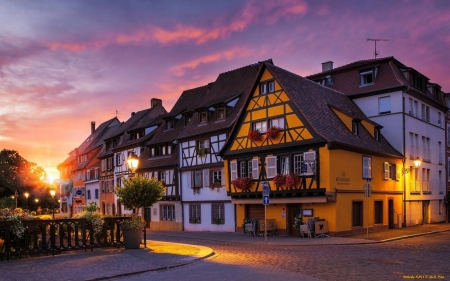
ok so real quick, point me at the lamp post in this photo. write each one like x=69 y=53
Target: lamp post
x=132 y=161
x=26 y=196
x=417 y=163
x=53 y=193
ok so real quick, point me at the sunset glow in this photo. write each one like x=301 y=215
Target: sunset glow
x=64 y=64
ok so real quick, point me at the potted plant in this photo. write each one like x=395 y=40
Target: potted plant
x=272 y=132
x=292 y=180
x=201 y=152
x=138 y=192
x=242 y=183
x=255 y=135
x=279 y=180
x=298 y=222
x=216 y=184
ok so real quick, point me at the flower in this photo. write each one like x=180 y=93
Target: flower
x=298 y=221
x=16 y=216
x=254 y=135
x=94 y=217
x=273 y=132
x=292 y=180
x=242 y=183
x=134 y=223
x=279 y=180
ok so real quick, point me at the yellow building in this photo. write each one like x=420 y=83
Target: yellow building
x=316 y=150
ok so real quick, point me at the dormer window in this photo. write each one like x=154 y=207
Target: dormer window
x=355 y=127
x=376 y=134
x=202 y=117
x=169 y=124
x=267 y=87
x=367 y=77
x=187 y=118
x=220 y=113
x=328 y=80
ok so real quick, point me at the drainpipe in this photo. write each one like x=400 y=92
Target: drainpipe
x=404 y=159
x=181 y=195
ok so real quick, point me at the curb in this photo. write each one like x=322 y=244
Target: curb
x=205 y=252
x=412 y=236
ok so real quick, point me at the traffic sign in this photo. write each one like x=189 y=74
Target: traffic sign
x=265 y=188
x=266 y=200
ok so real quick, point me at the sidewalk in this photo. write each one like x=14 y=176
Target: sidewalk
x=106 y=263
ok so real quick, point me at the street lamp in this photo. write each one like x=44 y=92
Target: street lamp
x=132 y=161
x=26 y=196
x=16 y=194
x=53 y=193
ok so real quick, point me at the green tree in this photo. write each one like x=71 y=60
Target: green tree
x=16 y=173
x=139 y=192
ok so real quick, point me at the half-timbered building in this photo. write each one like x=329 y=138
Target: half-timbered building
x=315 y=149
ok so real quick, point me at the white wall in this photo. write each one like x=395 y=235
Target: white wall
x=206 y=225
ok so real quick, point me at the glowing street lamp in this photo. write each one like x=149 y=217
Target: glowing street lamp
x=132 y=161
x=26 y=196
x=53 y=193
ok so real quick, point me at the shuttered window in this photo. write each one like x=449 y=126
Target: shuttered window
x=384 y=105
x=233 y=170
x=271 y=166
x=255 y=169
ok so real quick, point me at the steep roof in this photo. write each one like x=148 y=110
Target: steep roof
x=315 y=103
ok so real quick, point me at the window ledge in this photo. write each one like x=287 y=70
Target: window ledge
x=426 y=192
x=415 y=192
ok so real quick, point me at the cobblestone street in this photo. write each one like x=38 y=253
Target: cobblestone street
x=424 y=257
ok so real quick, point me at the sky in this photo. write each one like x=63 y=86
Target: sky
x=66 y=63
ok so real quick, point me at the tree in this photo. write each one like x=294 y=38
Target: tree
x=16 y=173
x=139 y=192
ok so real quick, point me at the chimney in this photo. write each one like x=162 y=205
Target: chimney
x=92 y=127
x=327 y=66
x=154 y=102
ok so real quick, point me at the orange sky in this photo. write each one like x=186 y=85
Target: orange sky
x=64 y=64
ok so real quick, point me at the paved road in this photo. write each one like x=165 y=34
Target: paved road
x=424 y=257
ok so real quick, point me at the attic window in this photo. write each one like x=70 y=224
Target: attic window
x=367 y=78
x=328 y=80
x=267 y=87
x=220 y=113
x=355 y=127
x=169 y=124
x=202 y=117
x=187 y=118
x=376 y=134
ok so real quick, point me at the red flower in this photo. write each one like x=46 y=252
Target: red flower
x=279 y=180
x=292 y=180
x=272 y=132
x=242 y=183
x=254 y=135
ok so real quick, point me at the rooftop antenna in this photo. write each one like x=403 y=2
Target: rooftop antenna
x=375 y=41
x=116 y=113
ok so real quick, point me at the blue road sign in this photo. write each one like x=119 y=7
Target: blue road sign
x=265 y=188
x=266 y=200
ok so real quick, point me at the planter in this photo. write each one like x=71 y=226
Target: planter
x=132 y=238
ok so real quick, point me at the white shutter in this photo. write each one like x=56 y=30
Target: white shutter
x=386 y=170
x=398 y=172
x=222 y=178
x=206 y=177
x=271 y=166
x=233 y=170
x=167 y=178
x=103 y=165
x=255 y=168
x=309 y=159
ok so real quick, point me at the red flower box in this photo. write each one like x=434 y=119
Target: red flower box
x=254 y=135
x=279 y=180
x=242 y=183
x=292 y=180
x=272 y=132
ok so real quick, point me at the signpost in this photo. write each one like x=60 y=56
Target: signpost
x=266 y=201
x=367 y=194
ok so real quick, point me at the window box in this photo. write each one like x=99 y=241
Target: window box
x=279 y=180
x=217 y=221
x=254 y=135
x=272 y=132
x=292 y=180
x=201 y=152
x=242 y=183
x=195 y=220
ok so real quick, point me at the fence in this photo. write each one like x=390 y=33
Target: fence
x=56 y=236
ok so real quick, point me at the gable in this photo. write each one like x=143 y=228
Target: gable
x=267 y=107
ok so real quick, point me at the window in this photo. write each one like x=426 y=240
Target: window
x=384 y=105
x=196 y=179
x=216 y=177
x=298 y=163
x=168 y=212
x=217 y=213
x=96 y=193
x=271 y=166
x=304 y=164
x=88 y=194
x=357 y=213
x=376 y=133
x=187 y=118
x=378 y=206
x=391 y=171
x=267 y=87
x=411 y=106
x=367 y=78
x=220 y=113
x=412 y=146
x=249 y=169
x=355 y=127
x=169 y=124
x=277 y=122
x=204 y=145
x=425 y=113
x=284 y=165
x=243 y=169
x=194 y=213
x=416 y=108
x=119 y=159
x=202 y=117
x=260 y=126
x=367 y=167
x=439 y=119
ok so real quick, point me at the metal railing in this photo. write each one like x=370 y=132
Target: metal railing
x=56 y=236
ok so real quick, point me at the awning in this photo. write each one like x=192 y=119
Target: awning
x=290 y=200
